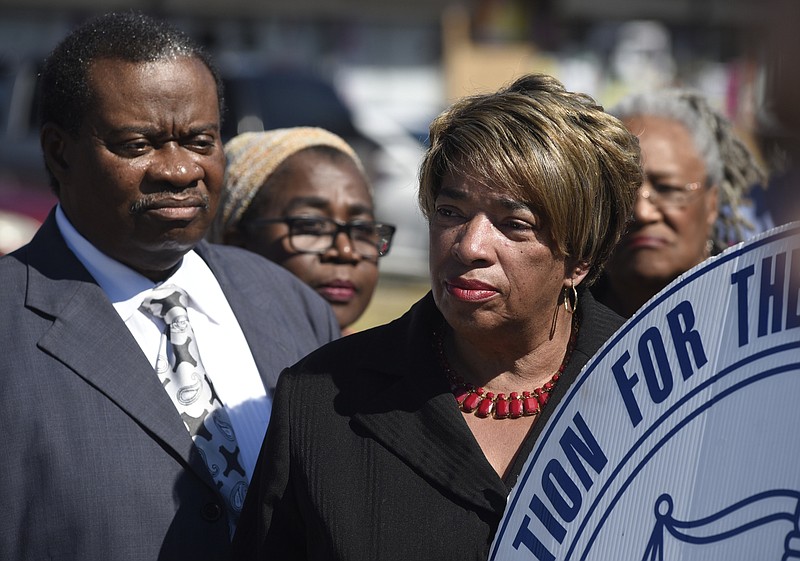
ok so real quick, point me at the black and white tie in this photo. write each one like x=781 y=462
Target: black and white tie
x=185 y=380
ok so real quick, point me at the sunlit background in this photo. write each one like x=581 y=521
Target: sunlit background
x=377 y=72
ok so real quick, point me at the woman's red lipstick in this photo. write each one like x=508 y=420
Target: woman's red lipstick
x=470 y=290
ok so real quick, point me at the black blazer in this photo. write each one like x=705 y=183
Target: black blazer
x=96 y=461
x=368 y=457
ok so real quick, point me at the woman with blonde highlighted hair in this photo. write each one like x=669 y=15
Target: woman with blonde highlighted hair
x=403 y=441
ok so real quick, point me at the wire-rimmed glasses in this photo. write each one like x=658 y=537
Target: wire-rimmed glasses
x=664 y=195
x=317 y=234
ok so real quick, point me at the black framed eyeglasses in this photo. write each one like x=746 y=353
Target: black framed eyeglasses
x=316 y=234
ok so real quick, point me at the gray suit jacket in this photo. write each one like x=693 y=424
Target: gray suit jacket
x=96 y=462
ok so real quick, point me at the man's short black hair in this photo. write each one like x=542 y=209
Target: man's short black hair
x=130 y=36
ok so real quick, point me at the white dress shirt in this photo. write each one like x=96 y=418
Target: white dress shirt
x=223 y=349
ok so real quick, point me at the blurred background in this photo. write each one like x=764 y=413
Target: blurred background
x=377 y=71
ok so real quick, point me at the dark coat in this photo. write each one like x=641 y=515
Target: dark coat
x=96 y=462
x=367 y=456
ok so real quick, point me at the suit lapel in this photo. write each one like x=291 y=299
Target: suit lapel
x=88 y=336
x=415 y=417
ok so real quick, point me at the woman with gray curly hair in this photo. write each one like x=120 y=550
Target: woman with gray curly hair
x=697 y=175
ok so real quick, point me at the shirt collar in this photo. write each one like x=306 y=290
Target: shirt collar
x=126 y=288
x=205 y=294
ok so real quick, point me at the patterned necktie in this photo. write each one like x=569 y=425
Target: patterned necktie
x=182 y=374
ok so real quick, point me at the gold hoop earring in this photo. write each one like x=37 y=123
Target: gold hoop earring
x=571 y=298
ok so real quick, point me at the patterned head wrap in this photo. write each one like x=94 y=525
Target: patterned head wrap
x=253 y=157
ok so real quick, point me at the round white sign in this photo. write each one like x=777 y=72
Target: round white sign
x=680 y=439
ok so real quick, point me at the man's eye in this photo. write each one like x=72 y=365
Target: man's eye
x=201 y=143
x=135 y=146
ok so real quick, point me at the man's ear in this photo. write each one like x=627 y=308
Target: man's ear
x=54 y=144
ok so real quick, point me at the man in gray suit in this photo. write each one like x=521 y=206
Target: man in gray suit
x=98 y=460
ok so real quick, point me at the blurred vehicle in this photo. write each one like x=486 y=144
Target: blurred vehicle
x=21 y=164
x=25 y=196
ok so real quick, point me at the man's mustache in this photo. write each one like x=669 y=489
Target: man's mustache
x=165 y=200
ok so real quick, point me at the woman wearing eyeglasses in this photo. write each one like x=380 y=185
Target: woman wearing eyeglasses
x=404 y=441
x=299 y=197
x=697 y=174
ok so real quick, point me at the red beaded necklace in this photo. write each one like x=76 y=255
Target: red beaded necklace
x=485 y=404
